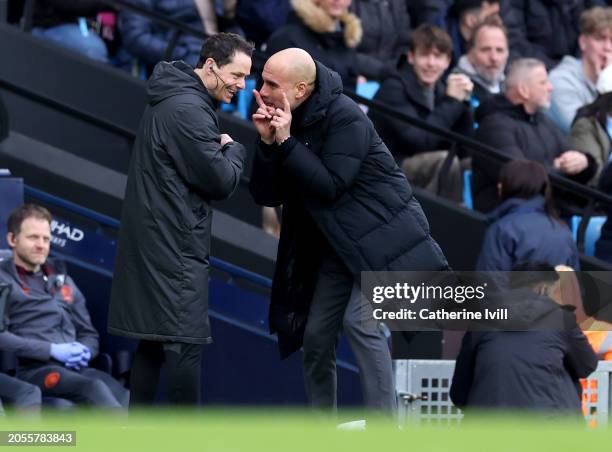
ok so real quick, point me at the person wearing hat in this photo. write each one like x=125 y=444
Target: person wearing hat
x=574 y=79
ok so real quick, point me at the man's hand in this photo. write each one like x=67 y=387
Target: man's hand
x=281 y=121
x=225 y=138
x=81 y=361
x=262 y=118
x=459 y=86
x=66 y=352
x=571 y=162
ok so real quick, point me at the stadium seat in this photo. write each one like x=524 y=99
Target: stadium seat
x=467 y=189
x=367 y=89
x=593 y=231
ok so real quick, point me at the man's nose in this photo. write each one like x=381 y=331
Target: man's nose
x=242 y=83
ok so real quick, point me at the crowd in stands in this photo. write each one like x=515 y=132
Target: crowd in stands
x=531 y=79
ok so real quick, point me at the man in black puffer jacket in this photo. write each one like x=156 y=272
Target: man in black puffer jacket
x=347 y=208
x=515 y=125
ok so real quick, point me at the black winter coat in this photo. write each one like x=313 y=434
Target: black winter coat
x=544 y=29
x=512 y=131
x=307 y=29
x=160 y=284
x=148 y=40
x=339 y=187
x=525 y=370
x=401 y=90
x=603 y=246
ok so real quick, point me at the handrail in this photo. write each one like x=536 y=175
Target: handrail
x=477 y=146
x=105 y=220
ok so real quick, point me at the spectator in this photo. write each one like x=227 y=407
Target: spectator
x=327 y=31
x=536 y=370
x=574 y=80
x=148 y=41
x=525 y=227
x=463 y=17
x=485 y=61
x=592 y=127
x=514 y=125
x=386 y=30
x=543 y=29
x=417 y=89
x=68 y=23
x=48 y=326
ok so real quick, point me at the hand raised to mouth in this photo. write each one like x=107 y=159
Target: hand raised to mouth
x=262 y=119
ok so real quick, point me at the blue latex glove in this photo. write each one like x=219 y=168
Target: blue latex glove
x=67 y=352
x=82 y=361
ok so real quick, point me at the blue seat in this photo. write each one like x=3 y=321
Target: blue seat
x=592 y=233
x=467 y=189
x=368 y=89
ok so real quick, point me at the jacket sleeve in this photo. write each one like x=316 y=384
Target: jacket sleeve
x=583 y=136
x=142 y=39
x=86 y=334
x=346 y=145
x=493 y=132
x=266 y=185
x=25 y=347
x=464 y=372
x=513 y=13
x=207 y=168
x=580 y=359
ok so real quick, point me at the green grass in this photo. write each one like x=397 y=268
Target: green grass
x=291 y=431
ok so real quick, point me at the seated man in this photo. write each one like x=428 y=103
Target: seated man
x=47 y=323
x=485 y=61
x=574 y=79
x=25 y=397
x=417 y=89
x=514 y=125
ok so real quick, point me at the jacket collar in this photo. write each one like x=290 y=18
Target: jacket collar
x=517 y=205
x=320 y=22
x=412 y=87
x=328 y=87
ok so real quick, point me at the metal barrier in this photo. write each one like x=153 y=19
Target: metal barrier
x=423 y=390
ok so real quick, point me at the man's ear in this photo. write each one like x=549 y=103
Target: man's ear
x=301 y=89
x=523 y=91
x=410 y=57
x=582 y=42
x=10 y=238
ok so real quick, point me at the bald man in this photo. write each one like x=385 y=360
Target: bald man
x=347 y=208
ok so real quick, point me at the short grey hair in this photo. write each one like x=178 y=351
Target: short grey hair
x=520 y=70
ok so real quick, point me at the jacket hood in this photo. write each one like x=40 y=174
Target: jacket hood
x=328 y=88
x=173 y=79
x=513 y=205
x=319 y=21
x=500 y=104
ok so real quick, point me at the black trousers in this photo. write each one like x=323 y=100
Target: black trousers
x=182 y=370
x=87 y=386
x=21 y=394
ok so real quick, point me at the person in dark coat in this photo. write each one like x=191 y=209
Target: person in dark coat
x=525 y=227
x=180 y=164
x=515 y=125
x=386 y=31
x=147 y=40
x=347 y=208
x=544 y=29
x=537 y=369
x=417 y=89
x=326 y=30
